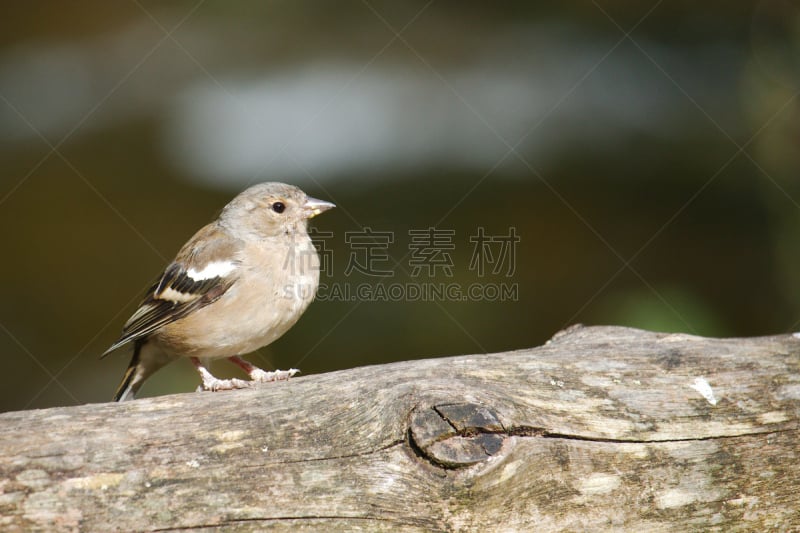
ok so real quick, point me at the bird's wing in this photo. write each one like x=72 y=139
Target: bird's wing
x=203 y=271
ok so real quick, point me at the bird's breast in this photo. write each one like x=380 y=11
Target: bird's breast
x=275 y=285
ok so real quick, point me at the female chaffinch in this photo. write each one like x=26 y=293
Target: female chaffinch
x=240 y=283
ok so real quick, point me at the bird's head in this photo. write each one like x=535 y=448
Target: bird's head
x=271 y=209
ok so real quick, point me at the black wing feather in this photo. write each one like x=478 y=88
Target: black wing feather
x=171 y=298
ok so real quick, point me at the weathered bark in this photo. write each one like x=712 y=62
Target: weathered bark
x=602 y=428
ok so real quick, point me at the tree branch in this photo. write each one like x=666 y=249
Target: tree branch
x=601 y=428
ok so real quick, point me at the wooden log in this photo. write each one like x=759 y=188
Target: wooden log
x=603 y=428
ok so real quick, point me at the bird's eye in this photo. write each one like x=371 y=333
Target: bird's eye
x=278 y=207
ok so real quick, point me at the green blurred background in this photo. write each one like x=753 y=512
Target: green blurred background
x=646 y=154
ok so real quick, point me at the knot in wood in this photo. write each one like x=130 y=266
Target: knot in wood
x=456 y=435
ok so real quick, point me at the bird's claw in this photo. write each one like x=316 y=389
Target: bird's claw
x=262 y=376
x=214 y=384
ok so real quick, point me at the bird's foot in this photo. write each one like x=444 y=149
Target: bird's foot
x=262 y=376
x=211 y=383
x=215 y=384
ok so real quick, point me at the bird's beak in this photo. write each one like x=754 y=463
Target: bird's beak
x=314 y=207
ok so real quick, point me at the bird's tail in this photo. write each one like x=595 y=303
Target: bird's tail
x=133 y=378
x=147 y=358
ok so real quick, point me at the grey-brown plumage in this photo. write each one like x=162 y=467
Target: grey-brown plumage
x=240 y=283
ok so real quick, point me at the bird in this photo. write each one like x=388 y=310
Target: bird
x=238 y=284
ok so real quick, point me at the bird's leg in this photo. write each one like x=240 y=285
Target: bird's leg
x=262 y=376
x=214 y=384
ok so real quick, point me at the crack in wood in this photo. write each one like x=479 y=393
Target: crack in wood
x=543 y=433
x=392 y=444
x=437 y=409
x=231 y=521
x=467 y=445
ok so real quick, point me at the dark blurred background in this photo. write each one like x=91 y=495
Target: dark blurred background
x=645 y=154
